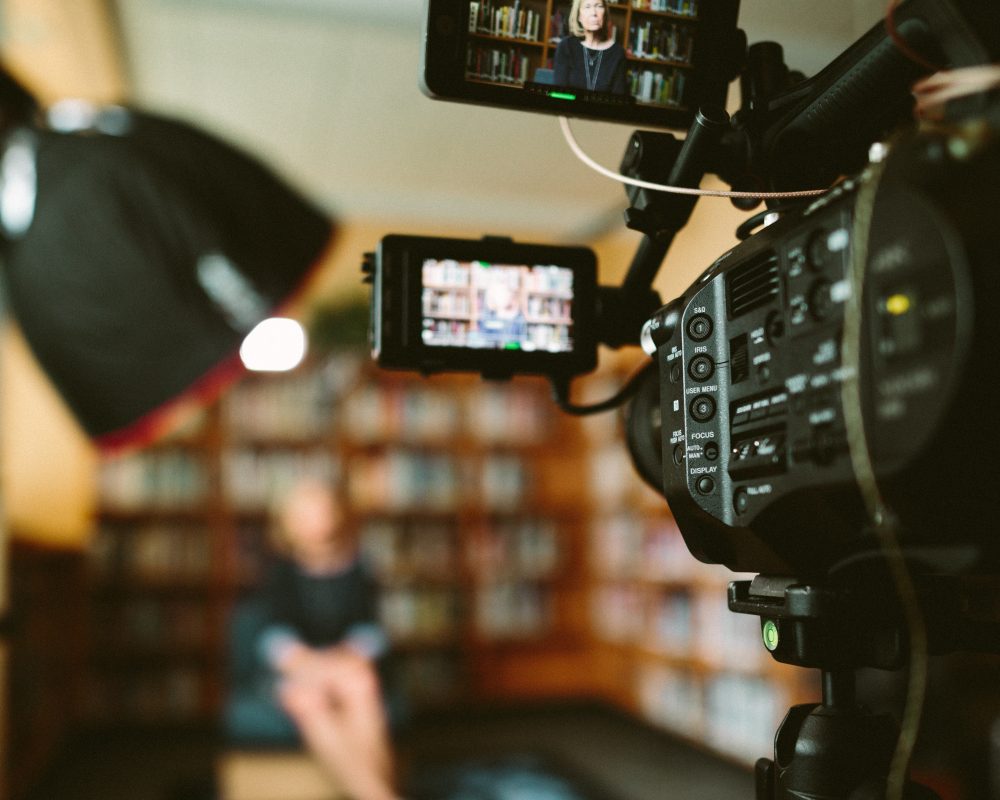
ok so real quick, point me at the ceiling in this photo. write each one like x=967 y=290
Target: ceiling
x=326 y=91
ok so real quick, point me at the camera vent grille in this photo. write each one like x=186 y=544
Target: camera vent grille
x=753 y=284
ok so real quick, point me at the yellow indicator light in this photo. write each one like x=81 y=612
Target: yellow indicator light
x=897 y=304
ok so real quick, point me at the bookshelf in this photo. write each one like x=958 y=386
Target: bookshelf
x=462 y=492
x=155 y=628
x=510 y=41
x=669 y=648
x=517 y=552
x=46 y=641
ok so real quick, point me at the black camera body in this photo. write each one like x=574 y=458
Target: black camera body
x=755 y=389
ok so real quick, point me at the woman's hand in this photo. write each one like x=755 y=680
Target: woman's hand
x=336 y=703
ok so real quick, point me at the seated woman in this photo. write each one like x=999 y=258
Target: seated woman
x=316 y=610
x=590 y=59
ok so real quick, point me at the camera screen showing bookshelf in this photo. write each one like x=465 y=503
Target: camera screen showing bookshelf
x=644 y=56
x=484 y=306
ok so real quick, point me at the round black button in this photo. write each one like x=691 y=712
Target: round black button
x=679 y=454
x=699 y=327
x=817 y=251
x=774 y=327
x=711 y=451
x=820 y=302
x=741 y=501
x=705 y=485
x=676 y=372
x=701 y=368
x=702 y=408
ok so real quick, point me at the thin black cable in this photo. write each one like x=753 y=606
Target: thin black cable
x=560 y=395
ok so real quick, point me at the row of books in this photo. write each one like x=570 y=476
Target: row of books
x=498 y=64
x=533 y=335
x=414 y=550
x=446 y=303
x=688 y=8
x=735 y=713
x=435 y=616
x=452 y=274
x=509 y=414
x=295 y=406
x=153 y=553
x=612 y=479
x=410 y=549
x=553 y=309
x=459 y=304
x=514 y=609
x=549 y=279
x=527 y=548
x=173 y=693
x=742 y=714
x=617 y=613
x=414 y=414
x=415 y=614
x=256 y=480
x=301 y=406
x=656 y=87
x=487 y=414
x=636 y=546
x=250 y=551
x=151 y=622
x=518 y=20
x=659 y=41
x=698 y=625
x=446 y=273
x=400 y=481
x=159 y=480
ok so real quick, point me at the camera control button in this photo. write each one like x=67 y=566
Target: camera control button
x=679 y=453
x=705 y=485
x=703 y=408
x=699 y=327
x=741 y=501
x=711 y=451
x=774 y=327
x=818 y=251
x=701 y=368
x=820 y=300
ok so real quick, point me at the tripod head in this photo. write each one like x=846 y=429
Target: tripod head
x=837 y=748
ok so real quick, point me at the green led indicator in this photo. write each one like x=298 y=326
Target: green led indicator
x=770 y=633
x=512 y=346
x=562 y=95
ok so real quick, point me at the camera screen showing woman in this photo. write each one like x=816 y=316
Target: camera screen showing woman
x=590 y=58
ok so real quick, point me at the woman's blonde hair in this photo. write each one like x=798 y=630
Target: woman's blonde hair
x=577 y=29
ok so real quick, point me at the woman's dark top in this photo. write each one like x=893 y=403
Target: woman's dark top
x=607 y=73
x=321 y=609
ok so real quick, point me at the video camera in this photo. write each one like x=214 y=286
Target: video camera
x=825 y=385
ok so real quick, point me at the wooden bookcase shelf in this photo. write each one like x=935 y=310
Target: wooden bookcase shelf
x=518 y=554
x=448 y=481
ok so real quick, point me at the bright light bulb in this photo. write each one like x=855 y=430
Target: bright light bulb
x=276 y=344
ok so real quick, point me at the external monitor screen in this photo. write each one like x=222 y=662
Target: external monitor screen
x=484 y=306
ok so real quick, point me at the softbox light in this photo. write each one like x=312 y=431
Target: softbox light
x=142 y=259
